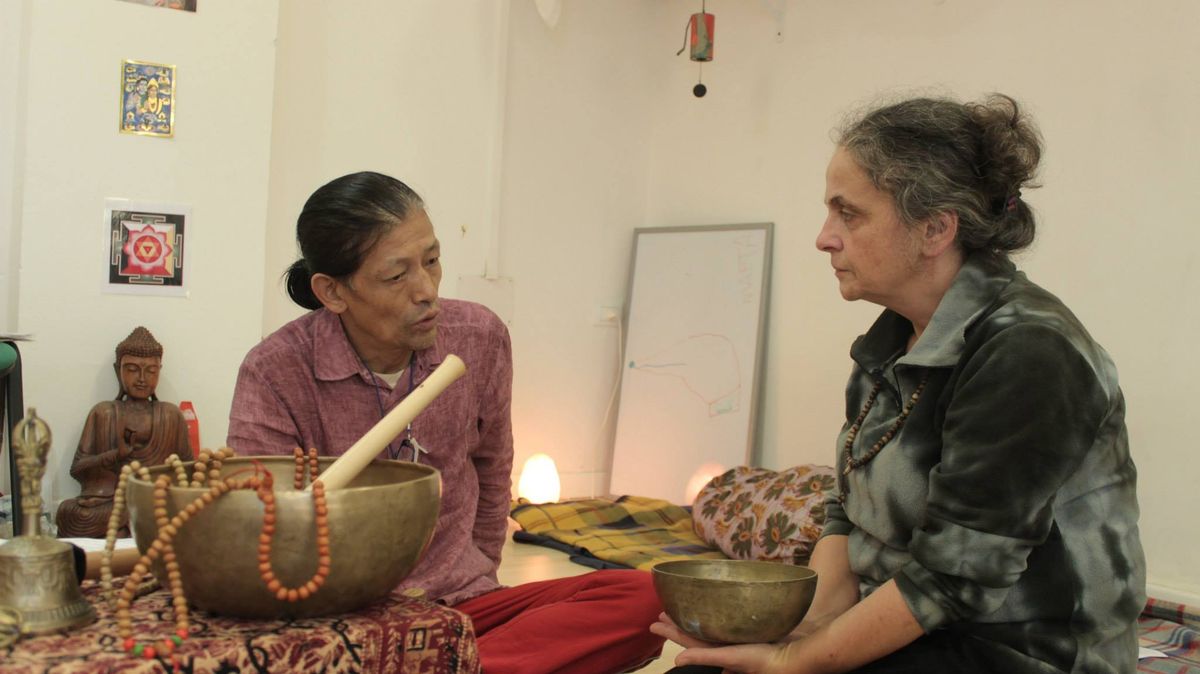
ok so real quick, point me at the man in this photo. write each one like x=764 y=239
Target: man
x=370 y=271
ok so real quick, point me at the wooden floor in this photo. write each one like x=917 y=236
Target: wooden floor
x=523 y=563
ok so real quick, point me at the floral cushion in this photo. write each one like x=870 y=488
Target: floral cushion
x=756 y=513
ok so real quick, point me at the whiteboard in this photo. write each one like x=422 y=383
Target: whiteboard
x=694 y=345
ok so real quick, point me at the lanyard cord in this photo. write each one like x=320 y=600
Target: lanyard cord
x=408 y=441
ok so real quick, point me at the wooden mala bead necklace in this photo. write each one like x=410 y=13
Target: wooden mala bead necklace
x=853 y=463
x=267 y=495
x=207 y=472
x=163 y=546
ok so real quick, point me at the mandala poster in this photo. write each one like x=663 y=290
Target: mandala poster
x=145 y=246
x=147 y=99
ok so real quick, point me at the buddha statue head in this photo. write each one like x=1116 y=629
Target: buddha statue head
x=139 y=359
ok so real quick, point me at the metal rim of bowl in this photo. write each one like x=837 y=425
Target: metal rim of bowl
x=155 y=471
x=669 y=569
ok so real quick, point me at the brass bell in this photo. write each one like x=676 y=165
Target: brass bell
x=37 y=573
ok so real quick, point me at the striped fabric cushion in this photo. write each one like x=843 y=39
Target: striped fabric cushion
x=1172 y=629
x=632 y=531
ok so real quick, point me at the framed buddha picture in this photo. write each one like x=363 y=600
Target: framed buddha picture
x=147 y=99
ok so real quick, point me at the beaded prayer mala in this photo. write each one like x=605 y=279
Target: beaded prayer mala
x=267 y=495
x=206 y=472
x=852 y=462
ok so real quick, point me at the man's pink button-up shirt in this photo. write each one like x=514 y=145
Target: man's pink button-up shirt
x=304 y=386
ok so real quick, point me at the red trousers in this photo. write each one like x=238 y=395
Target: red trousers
x=597 y=623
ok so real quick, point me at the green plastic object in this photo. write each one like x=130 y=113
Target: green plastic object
x=8 y=356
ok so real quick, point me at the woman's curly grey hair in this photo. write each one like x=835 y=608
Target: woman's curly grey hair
x=935 y=155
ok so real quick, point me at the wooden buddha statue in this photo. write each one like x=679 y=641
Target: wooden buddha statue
x=135 y=426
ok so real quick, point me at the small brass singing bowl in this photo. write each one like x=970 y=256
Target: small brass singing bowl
x=379 y=526
x=734 y=601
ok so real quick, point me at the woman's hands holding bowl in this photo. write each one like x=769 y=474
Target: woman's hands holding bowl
x=773 y=658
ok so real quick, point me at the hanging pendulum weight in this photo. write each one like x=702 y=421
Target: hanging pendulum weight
x=699 y=36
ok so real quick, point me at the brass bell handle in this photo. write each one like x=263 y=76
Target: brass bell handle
x=31 y=443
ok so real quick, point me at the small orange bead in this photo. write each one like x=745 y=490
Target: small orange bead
x=281 y=594
x=264 y=539
x=303 y=592
x=311 y=586
x=293 y=595
x=274 y=586
x=264 y=567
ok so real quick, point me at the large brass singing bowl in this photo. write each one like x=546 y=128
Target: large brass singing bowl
x=735 y=601
x=379 y=525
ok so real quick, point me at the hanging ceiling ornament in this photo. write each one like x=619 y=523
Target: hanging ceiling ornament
x=698 y=34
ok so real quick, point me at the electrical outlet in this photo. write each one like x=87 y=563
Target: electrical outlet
x=607 y=316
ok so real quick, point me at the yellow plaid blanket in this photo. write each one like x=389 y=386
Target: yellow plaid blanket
x=632 y=531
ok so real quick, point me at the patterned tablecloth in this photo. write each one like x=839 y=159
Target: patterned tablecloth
x=398 y=634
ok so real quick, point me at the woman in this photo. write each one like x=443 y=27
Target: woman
x=986 y=515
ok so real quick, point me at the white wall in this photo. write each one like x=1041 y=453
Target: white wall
x=580 y=102
x=600 y=135
x=594 y=98
x=409 y=89
x=74 y=158
x=1113 y=87
x=416 y=90
x=12 y=72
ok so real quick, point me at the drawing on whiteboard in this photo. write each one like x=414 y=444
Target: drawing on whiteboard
x=706 y=364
